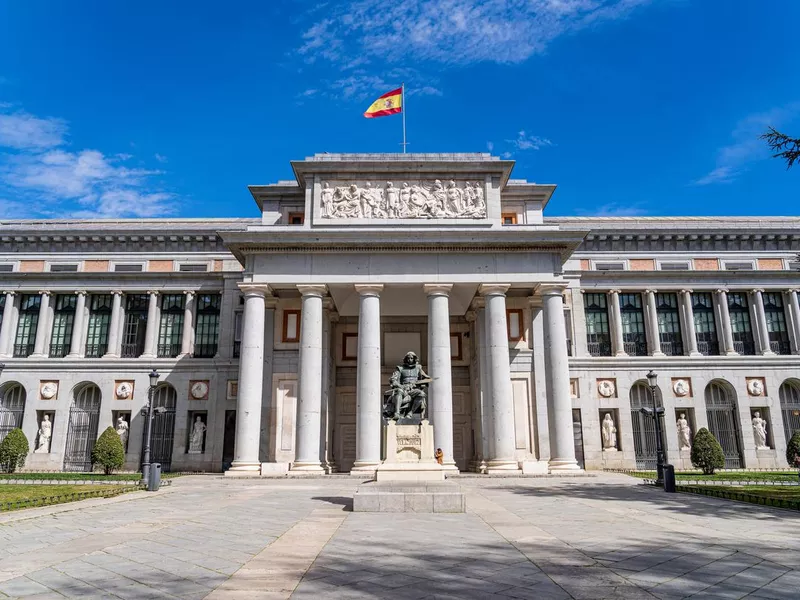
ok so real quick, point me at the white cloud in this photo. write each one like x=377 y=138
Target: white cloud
x=746 y=146
x=45 y=178
x=529 y=142
x=160 y=157
x=614 y=209
x=22 y=130
x=490 y=146
x=452 y=31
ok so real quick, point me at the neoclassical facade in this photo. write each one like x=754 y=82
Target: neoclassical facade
x=275 y=337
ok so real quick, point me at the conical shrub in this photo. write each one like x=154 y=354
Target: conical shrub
x=108 y=451
x=706 y=452
x=793 y=450
x=13 y=450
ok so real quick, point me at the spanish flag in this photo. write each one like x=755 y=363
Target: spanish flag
x=389 y=104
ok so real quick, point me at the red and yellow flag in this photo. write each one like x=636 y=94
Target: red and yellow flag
x=389 y=104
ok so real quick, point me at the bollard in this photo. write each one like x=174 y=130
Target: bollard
x=669 y=478
x=155 y=477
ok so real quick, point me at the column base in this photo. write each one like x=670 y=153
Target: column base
x=361 y=468
x=37 y=355
x=732 y=353
x=500 y=465
x=110 y=355
x=694 y=354
x=71 y=355
x=450 y=467
x=244 y=469
x=534 y=467
x=307 y=467
x=564 y=465
x=621 y=354
x=658 y=353
x=147 y=356
x=768 y=353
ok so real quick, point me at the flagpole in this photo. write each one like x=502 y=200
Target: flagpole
x=403 y=110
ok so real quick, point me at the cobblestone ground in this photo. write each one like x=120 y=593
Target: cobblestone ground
x=592 y=537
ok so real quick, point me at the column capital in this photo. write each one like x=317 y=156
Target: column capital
x=791 y=291
x=368 y=289
x=686 y=291
x=270 y=302
x=757 y=291
x=81 y=293
x=315 y=290
x=615 y=292
x=650 y=291
x=721 y=290
x=328 y=304
x=252 y=289
x=10 y=293
x=535 y=302
x=437 y=289
x=477 y=303
x=117 y=293
x=493 y=289
x=153 y=292
x=189 y=292
x=45 y=292
x=551 y=289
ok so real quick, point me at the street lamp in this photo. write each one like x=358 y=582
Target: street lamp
x=655 y=414
x=148 y=412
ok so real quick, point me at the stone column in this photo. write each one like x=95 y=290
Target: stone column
x=688 y=318
x=329 y=319
x=559 y=405
x=439 y=367
x=151 y=332
x=617 y=341
x=763 y=333
x=503 y=451
x=76 y=342
x=485 y=385
x=653 y=334
x=794 y=311
x=187 y=335
x=725 y=322
x=41 y=325
x=114 y=339
x=251 y=372
x=369 y=397
x=309 y=381
x=8 y=325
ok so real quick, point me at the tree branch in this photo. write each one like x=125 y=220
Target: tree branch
x=783 y=146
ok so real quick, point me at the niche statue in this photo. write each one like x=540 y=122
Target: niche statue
x=407 y=397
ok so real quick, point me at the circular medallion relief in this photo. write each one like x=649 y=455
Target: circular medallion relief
x=680 y=387
x=48 y=390
x=199 y=390
x=755 y=387
x=124 y=390
x=606 y=388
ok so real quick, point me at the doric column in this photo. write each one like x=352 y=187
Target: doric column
x=761 y=315
x=503 y=456
x=41 y=325
x=653 y=334
x=688 y=321
x=8 y=325
x=251 y=372
x=559 y=405
x=187 y=335
x=439 y=367
x=368 y=379
x=151 y=331
x=725 y=322
x=76 y=342
x=617 y=341
x=309 y=378
x=114 y=345
x=794 y=311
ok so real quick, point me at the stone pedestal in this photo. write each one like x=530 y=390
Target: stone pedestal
x=409 y=454
x=397 y=497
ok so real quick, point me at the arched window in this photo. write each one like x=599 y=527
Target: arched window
x=644 y=428
x=12 y=407
x=723 y=421
x=163 y=437
x=789 y=393
x=84 y=415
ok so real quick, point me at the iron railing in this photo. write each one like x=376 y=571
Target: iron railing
x=96 y=350
x=205 y=350
x=745 y=347
x=237 y=349
x=780 y=347
x=599 y=348
x=708 y=348
x=168 y=350
x=23 y=350
x=58 y=350
x=672 y=348
x=635 y=348
x=132 y=350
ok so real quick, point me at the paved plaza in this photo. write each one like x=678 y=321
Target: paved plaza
x=606 y=536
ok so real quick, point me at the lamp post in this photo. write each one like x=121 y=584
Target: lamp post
x=148 y=412
x=655 y=413
x=2 y=395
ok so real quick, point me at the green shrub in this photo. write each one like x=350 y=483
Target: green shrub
x=706 y=452
x=108 y=451
x=13 y=451
x=793 y=450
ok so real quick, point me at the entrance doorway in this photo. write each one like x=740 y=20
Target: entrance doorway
x=12 y=408
x=163 y=437
x=790 y=407
x=723 y=423
x=645 y=442
x=229 y=439
x=84 y=415
x=577 y=435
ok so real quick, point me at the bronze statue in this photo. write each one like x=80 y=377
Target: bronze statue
x=408 y=397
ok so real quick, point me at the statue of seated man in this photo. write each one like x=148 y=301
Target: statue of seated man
x=408 y=396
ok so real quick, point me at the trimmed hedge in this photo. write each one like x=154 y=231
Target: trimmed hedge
x=13 y=450
x=108 y=451
x=706 y=452
x=793 y=450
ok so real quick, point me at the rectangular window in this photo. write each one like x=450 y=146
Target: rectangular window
x=291 y=326
x=609 y=266
x=237 y=334
x=170 y=330
x=568 y=329
x=206 y=337
x=456 y=346
x=2 y=307
x=740 y=323
x=509 y=218
x=514 y=324
x=63 y=319
x=193 y=268
x=64 y=268
x=6 y=267
x=669 y=324
x=776 y=322
x=99 y=322
x=738 y=266
x=349 y=346
x=674 y=266
x=598 y=339
x=704 y=325
x=128 y=268
x=28 y=322
x=135 y=325
x=633 y=333
x=296 y=218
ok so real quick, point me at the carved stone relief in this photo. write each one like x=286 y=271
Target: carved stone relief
x=681 y=387
x=409 y=201
x=48 y=390
x=123 y=390
x=606 y=388
x=755 y=386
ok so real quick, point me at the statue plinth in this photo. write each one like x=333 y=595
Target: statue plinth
x=409 y=453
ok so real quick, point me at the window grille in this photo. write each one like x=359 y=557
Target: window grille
x=776 y=322
x=63 y=320
x=598 y=339
x=634 y=338
x=207 y=330
x=704 y=325
x=669 y=323
x=739 y=311
x=170 y=330
x=28 y=324
x=135 y=325
x=99 y=323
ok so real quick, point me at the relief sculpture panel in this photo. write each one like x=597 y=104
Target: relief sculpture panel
x=408 y=201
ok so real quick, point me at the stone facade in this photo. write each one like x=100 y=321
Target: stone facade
x=280 y=333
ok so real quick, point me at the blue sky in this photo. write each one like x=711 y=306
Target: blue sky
x=633 y=107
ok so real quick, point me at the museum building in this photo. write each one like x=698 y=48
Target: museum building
x=274 y=338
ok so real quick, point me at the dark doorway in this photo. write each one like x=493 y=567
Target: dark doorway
x=229 y=439
x=577 y=434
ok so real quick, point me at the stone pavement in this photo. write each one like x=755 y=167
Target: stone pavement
x=592 y=537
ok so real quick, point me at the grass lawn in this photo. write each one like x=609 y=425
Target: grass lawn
x=97 y=476
x=779 y=496
x=726 y=476
x=36 y=495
